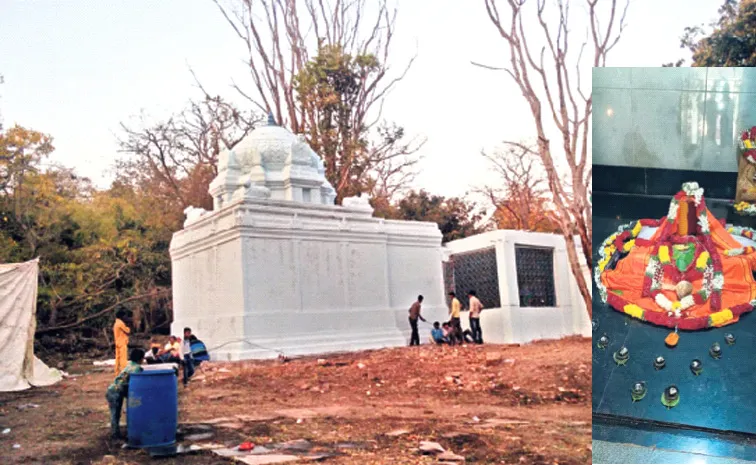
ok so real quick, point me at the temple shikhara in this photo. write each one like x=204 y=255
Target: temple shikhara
x=686 y=271
x=276 y=267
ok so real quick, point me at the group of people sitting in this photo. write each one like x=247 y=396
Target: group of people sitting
x=188 y=353
x=444 y=333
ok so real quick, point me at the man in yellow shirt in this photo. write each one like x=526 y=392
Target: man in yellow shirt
x=456 y=307
x=121 y=336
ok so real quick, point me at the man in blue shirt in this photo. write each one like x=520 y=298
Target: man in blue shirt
x=437 y=333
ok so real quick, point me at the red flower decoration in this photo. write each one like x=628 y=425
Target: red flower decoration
x=753 y=133
x=744 y=136
x=750 y=154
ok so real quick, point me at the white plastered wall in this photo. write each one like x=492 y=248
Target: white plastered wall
x=302 y=279
x=511 y=323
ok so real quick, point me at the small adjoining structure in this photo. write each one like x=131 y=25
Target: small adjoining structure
x=523 y=280
x=276 y=266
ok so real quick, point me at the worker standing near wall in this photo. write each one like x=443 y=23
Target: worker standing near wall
x=414 y=315
x=455 y=322
x=121 y=336
x=475 y=308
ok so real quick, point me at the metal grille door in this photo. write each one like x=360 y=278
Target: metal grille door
x=535 y=276
x=476 y=271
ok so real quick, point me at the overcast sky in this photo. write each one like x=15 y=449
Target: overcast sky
x=76 y=68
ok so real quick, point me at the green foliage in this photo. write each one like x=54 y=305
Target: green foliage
x=732 y=40
x=456 y=217
x=332 y=90
x=95 y=247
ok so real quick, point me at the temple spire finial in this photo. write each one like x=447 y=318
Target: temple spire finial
x=271 y=119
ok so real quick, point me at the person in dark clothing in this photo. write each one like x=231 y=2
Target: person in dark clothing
x=414 y=315
x=119 y=390
x=475 y=308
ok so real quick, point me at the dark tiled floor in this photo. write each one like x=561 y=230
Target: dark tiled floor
x=722 y=398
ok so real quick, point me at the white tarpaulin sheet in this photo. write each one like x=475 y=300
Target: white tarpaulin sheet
x=19 y=368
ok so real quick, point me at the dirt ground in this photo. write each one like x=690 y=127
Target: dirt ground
x=491 y=404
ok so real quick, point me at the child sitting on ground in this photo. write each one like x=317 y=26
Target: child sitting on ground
x=447 y=331
x=119 y=390
x=437 y=333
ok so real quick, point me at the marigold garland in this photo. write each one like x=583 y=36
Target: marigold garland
x=706 y=265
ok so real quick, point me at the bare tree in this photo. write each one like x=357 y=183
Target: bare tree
x=548 y=75
x=322 y=68
x=521 y=201
x=171 y=153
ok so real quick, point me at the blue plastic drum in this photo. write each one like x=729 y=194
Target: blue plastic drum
x=152 y=411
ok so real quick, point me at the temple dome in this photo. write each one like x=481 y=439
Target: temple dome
x=272 y=157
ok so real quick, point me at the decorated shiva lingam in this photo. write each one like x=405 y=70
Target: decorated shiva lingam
x=715 y=351
x=670 y=396
x=603 y=342
x=622 y=356
x=638 y=391
x=659 y=362
x=674 y=273
x=729 y=339
x=696 y=367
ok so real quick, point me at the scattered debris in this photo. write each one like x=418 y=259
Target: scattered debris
x=430 y=448
x=6 y=430
x=246 y=446
x=266 y=459
x=231 y=425
x=103 y=363
x=397 y=432
x=26 y=406
x=361 y=365
x=297 y=445
x=199 y=436
x=16 y=446
x=450 y=456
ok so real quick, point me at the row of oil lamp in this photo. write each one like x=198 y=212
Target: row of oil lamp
x=671 y=395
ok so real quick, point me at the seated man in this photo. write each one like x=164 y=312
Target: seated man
x=151 y=356
x=437 y=333
x=171 y=353
x=199 y=351
x=119 y=390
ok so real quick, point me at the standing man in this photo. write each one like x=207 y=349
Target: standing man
x=456 y=325
x=475 y=308
x=414 y=315
x=121 y=337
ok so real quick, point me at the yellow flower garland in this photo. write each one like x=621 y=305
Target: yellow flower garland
x=702 y=260
x=637 y=229
x=634 y=311
x=664 y=254
x=720 y=318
